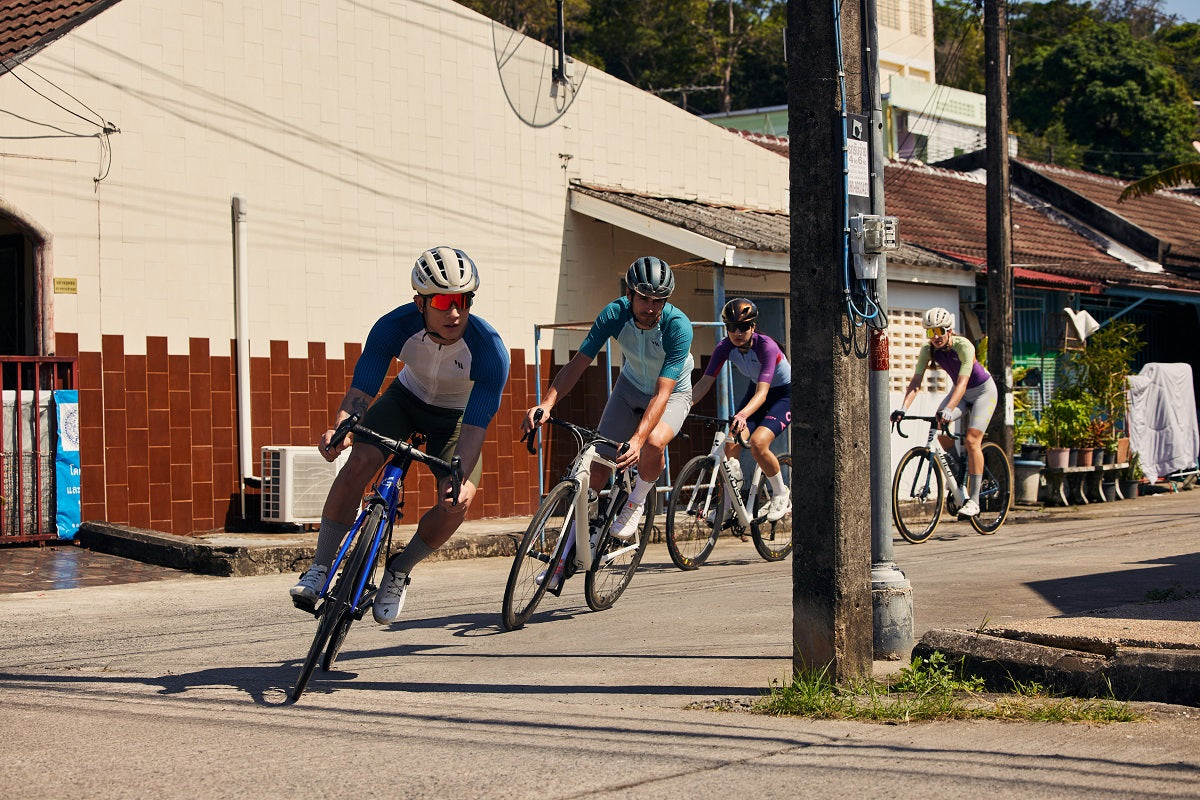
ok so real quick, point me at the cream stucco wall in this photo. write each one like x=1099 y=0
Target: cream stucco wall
x=358 y=133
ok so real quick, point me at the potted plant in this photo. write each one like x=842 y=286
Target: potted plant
x=1100 y=370
x=1131 y=477
x=1066 y=419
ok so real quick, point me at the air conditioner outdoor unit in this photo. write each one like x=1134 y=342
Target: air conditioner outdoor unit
x=295 y=481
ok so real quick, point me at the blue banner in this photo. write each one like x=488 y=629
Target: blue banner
x=66 y=464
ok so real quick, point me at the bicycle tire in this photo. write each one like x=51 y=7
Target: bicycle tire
x=691 y=537
x=356 y=564
x=329 y=617
x=995 y=494
x=918 y=492
x=616 y=561
x=772 y=540
x=536 y=553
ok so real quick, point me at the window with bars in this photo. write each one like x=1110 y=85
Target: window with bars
x=906 y=334
x=917 y=19
x=889 y=13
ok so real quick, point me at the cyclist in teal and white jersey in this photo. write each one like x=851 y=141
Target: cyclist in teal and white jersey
x=652 y=395
x=455 y=369
x=973 y=385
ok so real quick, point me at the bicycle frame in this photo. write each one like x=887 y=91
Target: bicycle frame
x=940 y=458
x=388 y=491
x=743 y=509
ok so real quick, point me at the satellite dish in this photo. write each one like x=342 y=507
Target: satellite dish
x=1083 y=322
x=538 y=90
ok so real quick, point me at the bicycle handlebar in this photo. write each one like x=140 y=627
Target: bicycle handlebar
x=403 y=449
x=582 y=435
x=942 y=425
x=723 y=422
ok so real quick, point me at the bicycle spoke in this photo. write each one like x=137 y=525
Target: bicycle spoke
x=695 y=505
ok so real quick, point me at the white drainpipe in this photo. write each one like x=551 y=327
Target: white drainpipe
x=241 y=297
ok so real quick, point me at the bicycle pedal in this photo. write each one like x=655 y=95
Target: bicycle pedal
x=304 y=604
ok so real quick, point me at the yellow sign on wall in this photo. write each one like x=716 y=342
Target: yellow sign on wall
x=66 y=286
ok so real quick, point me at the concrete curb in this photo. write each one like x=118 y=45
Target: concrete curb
x=1083 y=667
x=230 y=555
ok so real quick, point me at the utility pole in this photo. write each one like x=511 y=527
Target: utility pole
x=999 y=221
x=830 y=431
x=891 y=592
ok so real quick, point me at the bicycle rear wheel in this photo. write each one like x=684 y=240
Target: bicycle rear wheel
x=616 y=561
x=917 y=495
x=697 y=500
x=995 y=494
x=772 y=540
x=536 y=554
x=334 y=612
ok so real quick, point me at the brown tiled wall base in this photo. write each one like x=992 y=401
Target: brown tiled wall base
x=159 y=431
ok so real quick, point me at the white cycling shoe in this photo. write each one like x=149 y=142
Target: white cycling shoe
x=627 y=521
x=969 y=509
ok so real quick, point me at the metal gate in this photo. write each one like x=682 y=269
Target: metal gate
x=27 y=445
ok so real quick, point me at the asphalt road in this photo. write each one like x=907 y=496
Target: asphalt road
x=176 y=687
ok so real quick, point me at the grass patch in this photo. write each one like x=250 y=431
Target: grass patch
x=933 y=689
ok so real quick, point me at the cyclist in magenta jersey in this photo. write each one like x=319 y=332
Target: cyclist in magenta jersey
x=973 y=387
x=652 y=395
x=455 y=369
x=766 y=409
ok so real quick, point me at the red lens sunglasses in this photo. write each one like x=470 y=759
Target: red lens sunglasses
x=443 y=302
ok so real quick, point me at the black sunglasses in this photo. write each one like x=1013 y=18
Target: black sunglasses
x=740 y=327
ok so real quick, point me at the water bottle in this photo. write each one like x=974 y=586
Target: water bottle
x=735 y=473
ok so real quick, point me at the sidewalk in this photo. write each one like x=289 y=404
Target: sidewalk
x=1150 y=651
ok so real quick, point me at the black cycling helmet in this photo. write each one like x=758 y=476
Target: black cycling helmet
x=739 y=310
x=650 y=277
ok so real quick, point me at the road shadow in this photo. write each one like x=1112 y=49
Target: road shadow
x=1141 y=582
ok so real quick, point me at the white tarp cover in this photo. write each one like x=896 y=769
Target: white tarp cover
x=1162 y=419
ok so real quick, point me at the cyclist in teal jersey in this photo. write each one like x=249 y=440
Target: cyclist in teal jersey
x=973 y=387
x=652 y=395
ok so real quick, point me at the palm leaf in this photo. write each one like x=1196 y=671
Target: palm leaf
x=1169 y=178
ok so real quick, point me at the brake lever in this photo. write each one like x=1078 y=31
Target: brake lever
x=455 y=478
x=528 y=436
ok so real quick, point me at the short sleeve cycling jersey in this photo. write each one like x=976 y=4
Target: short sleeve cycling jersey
x=469 y=374
x=664 y=351
x=957 y=361
x=763 y=362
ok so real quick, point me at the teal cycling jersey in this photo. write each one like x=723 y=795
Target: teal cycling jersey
x=664 y=351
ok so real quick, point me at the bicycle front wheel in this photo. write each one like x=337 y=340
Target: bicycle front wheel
x=697 y=501
x=616 y=561
x=995 y=494
x=772 y=540
x=917 y=495
x=528 y=578
x=334 y=612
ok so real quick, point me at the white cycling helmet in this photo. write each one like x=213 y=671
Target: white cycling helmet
x=444 y=270
x=938 y=317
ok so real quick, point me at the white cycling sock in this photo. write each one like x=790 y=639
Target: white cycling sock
x=777 y=485
x=329 y=539
x=974 y=482
x=641 y=488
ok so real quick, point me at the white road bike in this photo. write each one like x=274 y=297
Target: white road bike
x=709 y=489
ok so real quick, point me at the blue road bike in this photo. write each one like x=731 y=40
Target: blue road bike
x=347 y=597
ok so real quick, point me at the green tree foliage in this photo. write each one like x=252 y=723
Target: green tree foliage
x=1182 y=44
x=958 y=44
x=1112 y=93
x=706 y=55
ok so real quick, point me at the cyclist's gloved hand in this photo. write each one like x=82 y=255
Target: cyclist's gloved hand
x=897 y=415
x=946 y=415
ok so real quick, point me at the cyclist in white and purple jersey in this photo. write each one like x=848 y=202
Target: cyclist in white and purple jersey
x=973 y=387
x=455 y=369
x=766 y=408
x=652 y=395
